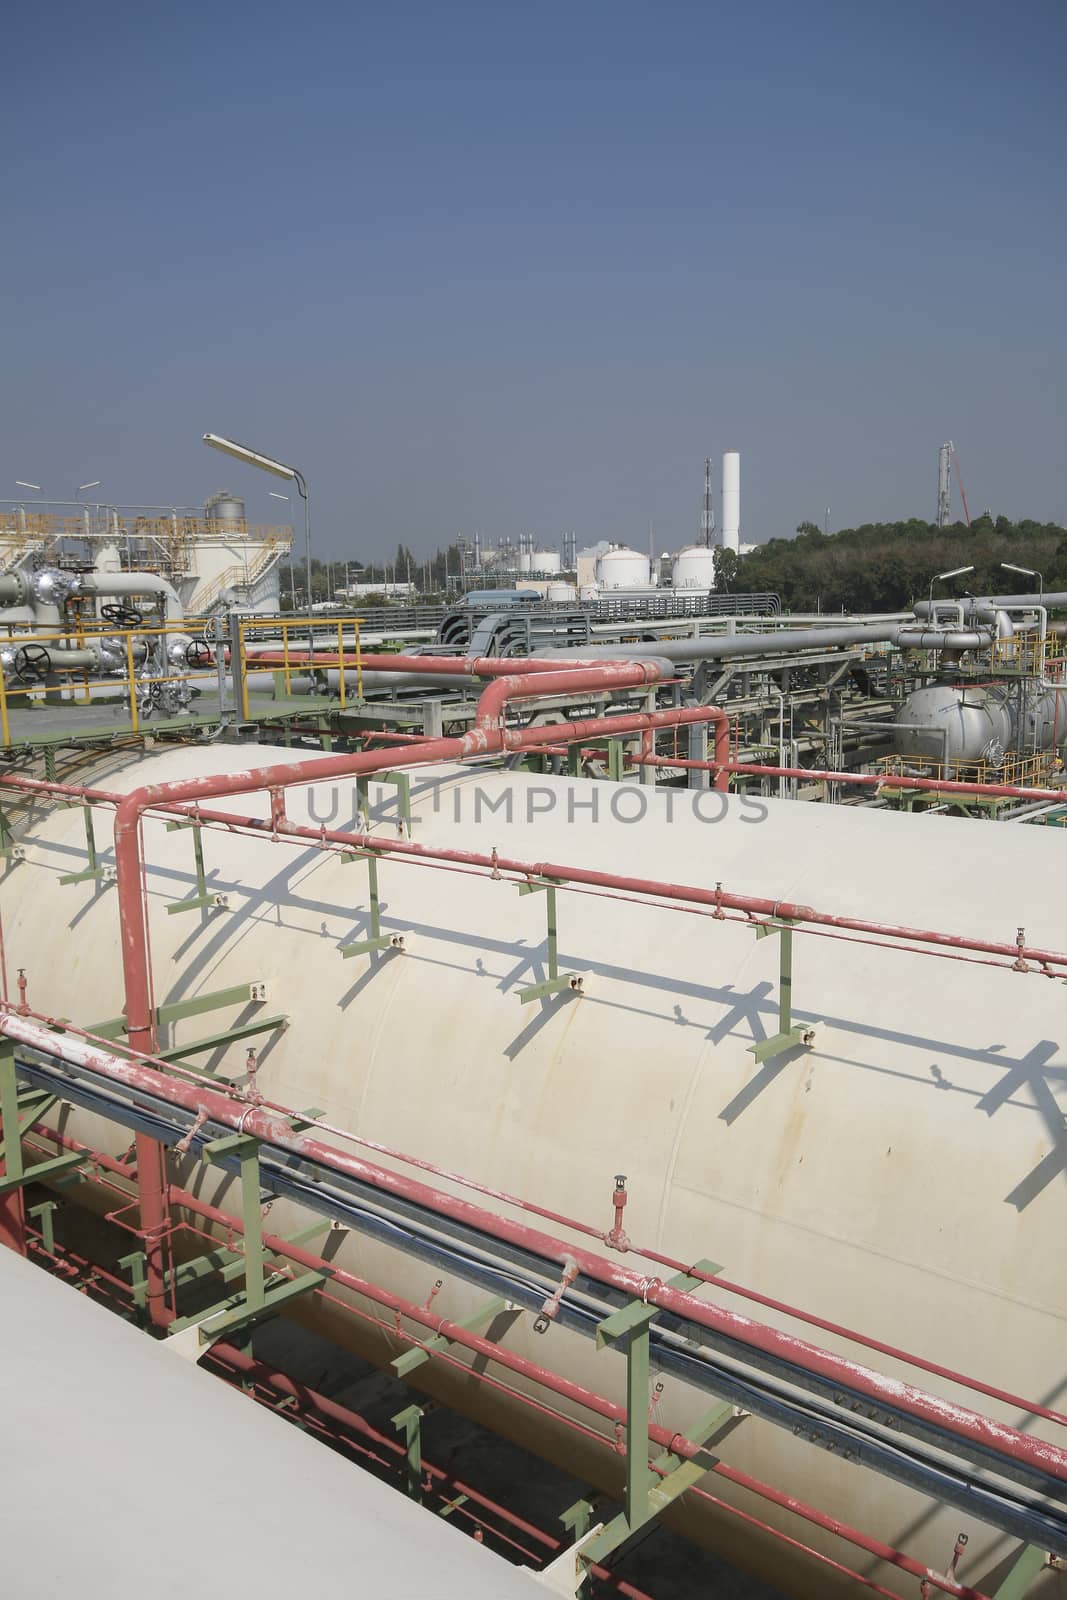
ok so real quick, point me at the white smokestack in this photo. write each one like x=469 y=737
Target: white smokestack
x=731 y=500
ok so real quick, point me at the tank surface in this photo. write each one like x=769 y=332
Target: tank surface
x=906 y=1176
x=622 y=568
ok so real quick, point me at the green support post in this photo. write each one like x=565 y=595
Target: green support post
x=409 y=1423
x=378 y=940
x=628 y=1329
x=135 y=1265
x=578 y=1518
x=401 y=781
x=246 y=1150
x=1030 y=1561
x=16 y=1174
x=94 y=870
x=789 y=1035
x=203 y=896
x=556 y=981
x=45 y=1214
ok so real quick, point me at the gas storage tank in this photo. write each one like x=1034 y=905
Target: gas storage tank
x=622 y=568
x=903 y=1176
x=694 y=568
x=545 y=561
x=225 y=507
x=965 y=722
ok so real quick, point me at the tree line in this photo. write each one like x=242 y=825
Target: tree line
x=884 y=566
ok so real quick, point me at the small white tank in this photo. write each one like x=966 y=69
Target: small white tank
x=561 y=594
x=545 y=561
x=622 y=568
x=694 y=568
x=525 y=561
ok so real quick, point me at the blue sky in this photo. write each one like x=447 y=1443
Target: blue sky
x=522 y=268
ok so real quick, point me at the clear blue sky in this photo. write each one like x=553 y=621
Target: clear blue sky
x=522 y=268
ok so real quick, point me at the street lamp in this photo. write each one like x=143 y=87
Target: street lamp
x=939 y=577
x=22 y=484
x=1027 y=572
x=253 y=458
x=95 y=484
x=292 y=577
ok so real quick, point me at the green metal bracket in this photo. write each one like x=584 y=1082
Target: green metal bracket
x=577 y=1519
x=400 y=781
x=1029 y=1562
x=409 y=1423
x=33 y=1104
x=176 y=1010
x=16 y=1174
x=135 y=1265
x=94 y=870
x=247 y=1152
x=203 y=896
x=556 y=982
x=788 y=1035
x=45 y=1212
x=473 y=1324
x=628 y=1329
x=378 y=940
x=218 y=1041
x=8 y=847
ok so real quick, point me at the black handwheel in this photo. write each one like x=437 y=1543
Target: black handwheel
x=122 y=616
x=197 y=654
x=31 y=663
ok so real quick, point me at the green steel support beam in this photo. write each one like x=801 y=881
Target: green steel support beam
x=247 y=1152
x=616 y=758
x=556 y=981
x=33 y=1104
x=788 y=1035
x=472 y=1324
x=409 y=1423
x=94 y=869
x=378 y=940
x=1029 y=1562
x=578 y=1518
x=628 y=1330
x=217 y=1041
x=176 y=1010
x=401 y=781
x=45 y=1213
x=16 y=1174
x=203 y=896
x=235 y=1313
x=134 y=1264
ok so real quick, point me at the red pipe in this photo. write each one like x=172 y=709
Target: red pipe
x=255 y=1121
x=1005 y=791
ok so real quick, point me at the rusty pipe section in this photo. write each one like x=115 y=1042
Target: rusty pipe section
x=958 y=1422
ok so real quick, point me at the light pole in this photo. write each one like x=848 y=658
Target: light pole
x=292 y=576
x=95 y=484
x=939 y=577
x=253 y=458
x=20 y=483
x=1027 y=572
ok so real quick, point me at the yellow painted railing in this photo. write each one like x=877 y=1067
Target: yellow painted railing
x=328 y=633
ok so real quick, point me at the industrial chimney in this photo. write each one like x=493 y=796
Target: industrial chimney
x=731 y=500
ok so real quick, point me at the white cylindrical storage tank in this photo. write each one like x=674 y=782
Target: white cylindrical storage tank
x=897 y=1177
x=561 y=594
x=525 y=563
x=731 y=500
x=590 y=592
x=622 y=568
x=545 y=561
x=694 y=568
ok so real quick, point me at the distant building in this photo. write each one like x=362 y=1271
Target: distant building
x=391 y=591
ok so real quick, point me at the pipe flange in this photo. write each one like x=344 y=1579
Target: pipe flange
x=51 y=587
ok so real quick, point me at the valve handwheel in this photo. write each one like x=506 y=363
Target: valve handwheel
x=122 y=616
x=198 y=654
x=31 y=663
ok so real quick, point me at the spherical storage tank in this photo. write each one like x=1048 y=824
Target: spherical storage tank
x=622 y=568
x=894 y=1178
x=694 y=568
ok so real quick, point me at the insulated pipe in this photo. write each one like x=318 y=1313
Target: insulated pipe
x=242 y=1116
x=727 y=646
x=132 y=583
